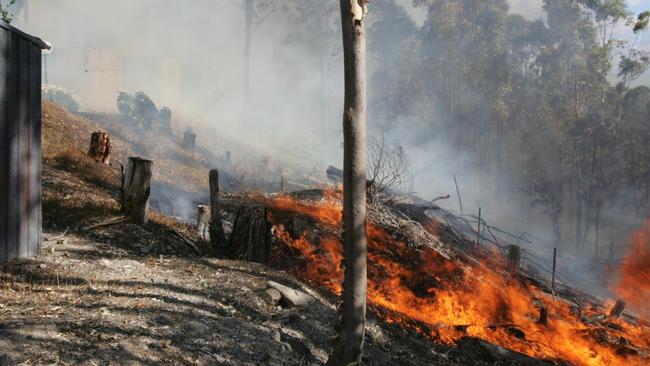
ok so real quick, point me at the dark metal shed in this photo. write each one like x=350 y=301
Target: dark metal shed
x=20 y=143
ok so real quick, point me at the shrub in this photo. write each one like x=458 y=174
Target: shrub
x=140 y=110
x=62 y=97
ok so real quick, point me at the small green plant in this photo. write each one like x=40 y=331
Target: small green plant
x=62 y=97
x=4 y=11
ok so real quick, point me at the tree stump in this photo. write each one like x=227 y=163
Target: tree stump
x=251 y=235
x=217 y=236
x=514 y=258
x=203 y=221
x=618 y=309
x=136 y=189
x=100 y=147
x=189 y=141
x=543 y=315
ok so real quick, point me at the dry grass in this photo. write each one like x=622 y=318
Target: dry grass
x=78 y=191
x=80 y=164
x=173 y=166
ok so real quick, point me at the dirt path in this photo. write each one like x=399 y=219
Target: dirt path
x=88 y=303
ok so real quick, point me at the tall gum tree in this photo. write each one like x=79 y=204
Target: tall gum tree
x=349 y=345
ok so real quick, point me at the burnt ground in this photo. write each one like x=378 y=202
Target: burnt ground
x=130 y=294
x=89 y=303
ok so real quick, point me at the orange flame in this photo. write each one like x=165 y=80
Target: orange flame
x=421 y=289
x=634 y=283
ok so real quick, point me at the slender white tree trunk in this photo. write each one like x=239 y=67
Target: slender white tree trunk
x=349 y=346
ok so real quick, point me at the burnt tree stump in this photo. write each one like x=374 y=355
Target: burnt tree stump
x=251 y=235
x=618 y=309
x=136 y=189
x=189 y=141
x=100 y=147
x=514 y=258
x=543 y=315
x=203 y=221
x=217 y=236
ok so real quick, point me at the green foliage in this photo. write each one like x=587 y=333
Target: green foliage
x=138 y=109
x=4 y=11
x=633 y=65
x=643 y=20
x=607 y=9
x=527 y=100
x=62 y=97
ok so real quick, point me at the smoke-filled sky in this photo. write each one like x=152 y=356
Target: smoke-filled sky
x=188 y=55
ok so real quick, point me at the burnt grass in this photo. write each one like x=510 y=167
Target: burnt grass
x=128 y=294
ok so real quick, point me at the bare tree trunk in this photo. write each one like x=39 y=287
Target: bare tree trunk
x=136 y=189
x=349 y=345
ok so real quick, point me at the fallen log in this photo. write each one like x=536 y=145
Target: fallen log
x=187 y=241
x=136 y=189
x=111 y=221
x=291 y=297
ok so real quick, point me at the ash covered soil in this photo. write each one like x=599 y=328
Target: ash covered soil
x=91 y=303
x=127 y=294
x=117 y=293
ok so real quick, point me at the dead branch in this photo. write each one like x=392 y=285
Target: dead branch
x=111 y=221
x=187 y=241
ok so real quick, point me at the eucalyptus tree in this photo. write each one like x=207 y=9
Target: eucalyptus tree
x=349 y=345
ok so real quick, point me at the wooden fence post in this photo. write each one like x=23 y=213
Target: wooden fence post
x=217 y=236
x=136 y=189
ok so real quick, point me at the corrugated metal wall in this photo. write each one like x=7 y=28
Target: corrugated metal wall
x=20 y=145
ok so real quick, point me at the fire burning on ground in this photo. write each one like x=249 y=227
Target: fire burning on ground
x=447 y=300
x=634 y=283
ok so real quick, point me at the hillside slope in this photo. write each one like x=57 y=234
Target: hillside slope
x=180 y=178
x=130 y=294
